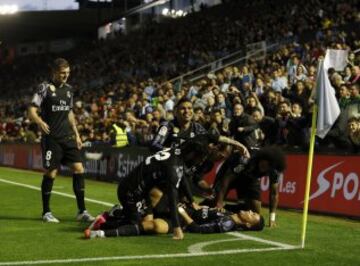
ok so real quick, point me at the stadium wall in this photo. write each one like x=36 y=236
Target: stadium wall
x=335 y=187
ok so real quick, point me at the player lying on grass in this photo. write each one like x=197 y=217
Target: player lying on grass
x=203 y=220
x=245 y=179
x=208 y=221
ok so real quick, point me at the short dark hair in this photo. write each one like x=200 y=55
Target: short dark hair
x=181 y=101
x=256 y=109
x=331 y=71
x=260 y=226
x=198 y=144
x=353 y=119
x=356 y=86
x=59 y=63
x=287 y=102
x=216 y=110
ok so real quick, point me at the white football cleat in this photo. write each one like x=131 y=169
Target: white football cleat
x=49 y=218
x=85 y=217
x=90 y=234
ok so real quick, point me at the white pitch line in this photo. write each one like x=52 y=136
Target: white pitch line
x=258 y=239
x=240 y=236
x=56 y=192
x=198 y=247
x=155 y=256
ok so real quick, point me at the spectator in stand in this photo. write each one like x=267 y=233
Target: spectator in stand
x=246 y=77
x=270 y=103
x=259 y=88
x=298 y=125
x=347 y=74
x=210 y=105
x=300 y=74
x=169 y=102
x=282 y=119
x=221 y=103
x=300 y=95
x=344 y=97
x=351 y=59
x=157 y=116
x=199 y=116
x=253 y=103
x=354 y=94
x=242 y=128
x=150 y=89
x=312 y=73
x=293 y=65
x=266 y=133
x=208 y=92
x=279 y=82
x=246 y=90
x=354 y=133
x=219 y=123
x=355 y=74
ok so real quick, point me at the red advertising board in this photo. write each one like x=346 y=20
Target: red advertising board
x=27 y=156
x=335 y=186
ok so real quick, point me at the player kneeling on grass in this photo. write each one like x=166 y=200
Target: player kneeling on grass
x=245 y=179
x=115 y=224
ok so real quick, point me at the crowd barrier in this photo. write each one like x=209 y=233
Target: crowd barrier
x=335 y=187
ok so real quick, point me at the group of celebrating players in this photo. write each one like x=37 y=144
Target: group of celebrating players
x=157 y=196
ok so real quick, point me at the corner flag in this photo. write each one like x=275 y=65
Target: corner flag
x=328 y=106
x=329 y=111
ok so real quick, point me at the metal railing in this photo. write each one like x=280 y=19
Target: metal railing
x=208 y=67
x=237 y=57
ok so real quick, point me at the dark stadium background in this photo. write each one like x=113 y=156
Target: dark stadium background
x=133 y=61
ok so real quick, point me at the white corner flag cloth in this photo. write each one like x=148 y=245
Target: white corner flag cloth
x=328 y=106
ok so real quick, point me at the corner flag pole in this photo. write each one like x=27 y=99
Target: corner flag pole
x=308 y=175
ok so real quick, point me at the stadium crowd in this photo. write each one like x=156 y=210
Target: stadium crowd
x=124 y=79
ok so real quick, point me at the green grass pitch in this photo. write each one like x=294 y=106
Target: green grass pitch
x=26 y=240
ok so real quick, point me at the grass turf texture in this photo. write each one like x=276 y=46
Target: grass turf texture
x=23 y=236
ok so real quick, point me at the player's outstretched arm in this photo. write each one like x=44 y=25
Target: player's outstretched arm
x=33 y=115
x=236 y=144
x=188 y=220
x=158 y=142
